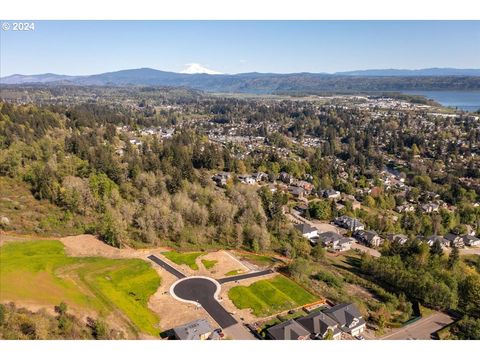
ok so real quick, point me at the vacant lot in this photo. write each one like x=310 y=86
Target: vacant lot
x=267 y=297
x=209 y=263
x=188 y=258
x=39 y=272
x=257 y=260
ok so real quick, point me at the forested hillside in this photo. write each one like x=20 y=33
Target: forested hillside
x=160 y=194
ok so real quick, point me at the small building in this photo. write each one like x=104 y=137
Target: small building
x=430 y=207
x=286 y=177
x=196 y=330
x=405 y=208
x=288 y=330
x=334 y=241
x=349 y=223
x=455 y=240
x=319 y=324
x=471 y=240
x=331 y=194
x=296 y=192
x=247 y=179
x=348 y=318
x=308 y=231
x=305 y=185
x=368 y=237
x=399 y=238
x=221 y=178
x=434 y=238
x=260 y=176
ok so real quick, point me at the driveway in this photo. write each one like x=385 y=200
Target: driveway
x=202 y=291
x=166 y=266
x=244 y=276
x=421 y=329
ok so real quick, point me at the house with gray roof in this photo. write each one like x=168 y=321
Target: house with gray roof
x=196 y=330
x=308 y=231
x=433 y=238
x=471 y=240
x=319 y=324
x=399 y=238
x=368 y=237
x=349 y=223
x=455 y=240
x=334 y=241
x=348 y=318
x=288 y=330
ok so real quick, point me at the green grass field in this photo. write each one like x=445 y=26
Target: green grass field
x=41 y=272
x=267 y=297
x=187 y=258
x=259 y=260
x=209 y=263
x=233 y=272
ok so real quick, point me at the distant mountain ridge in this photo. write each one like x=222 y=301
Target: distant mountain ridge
x=362 y=80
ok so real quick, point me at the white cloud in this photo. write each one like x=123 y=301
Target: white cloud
x=194 y=68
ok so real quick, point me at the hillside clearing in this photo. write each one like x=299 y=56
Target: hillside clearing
x=41 y=272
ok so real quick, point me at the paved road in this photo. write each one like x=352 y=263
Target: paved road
x=421 y=329
x=244 y=276
x=202 y=291
x=167 y=267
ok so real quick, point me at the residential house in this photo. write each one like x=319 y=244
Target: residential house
x=196 y=330
x=308 y=231
x=432 y=239
x=305 y=185
x=348 y=318
x=288 y=330
x=318 y=325
x=331 y=194
x=247 y=179
x=301 y=208
x=296 y=191
x=430 y=207
x=349 y=223
x=405 y=208
x=221 y=178
x=334 y=241
x=286 y=177
x=399 y=238
x=260 y=176
x=368 y=237
x=455 y=240
x=471 y=240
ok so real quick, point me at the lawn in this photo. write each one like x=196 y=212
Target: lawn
x=41 y=272
x=187 y=258
x=259 y=260
x=209 y=263
x=234 y=272
x=268 y=297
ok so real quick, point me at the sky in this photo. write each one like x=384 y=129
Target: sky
x=92 y=47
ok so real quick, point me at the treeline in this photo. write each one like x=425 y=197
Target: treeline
x=426 y=275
